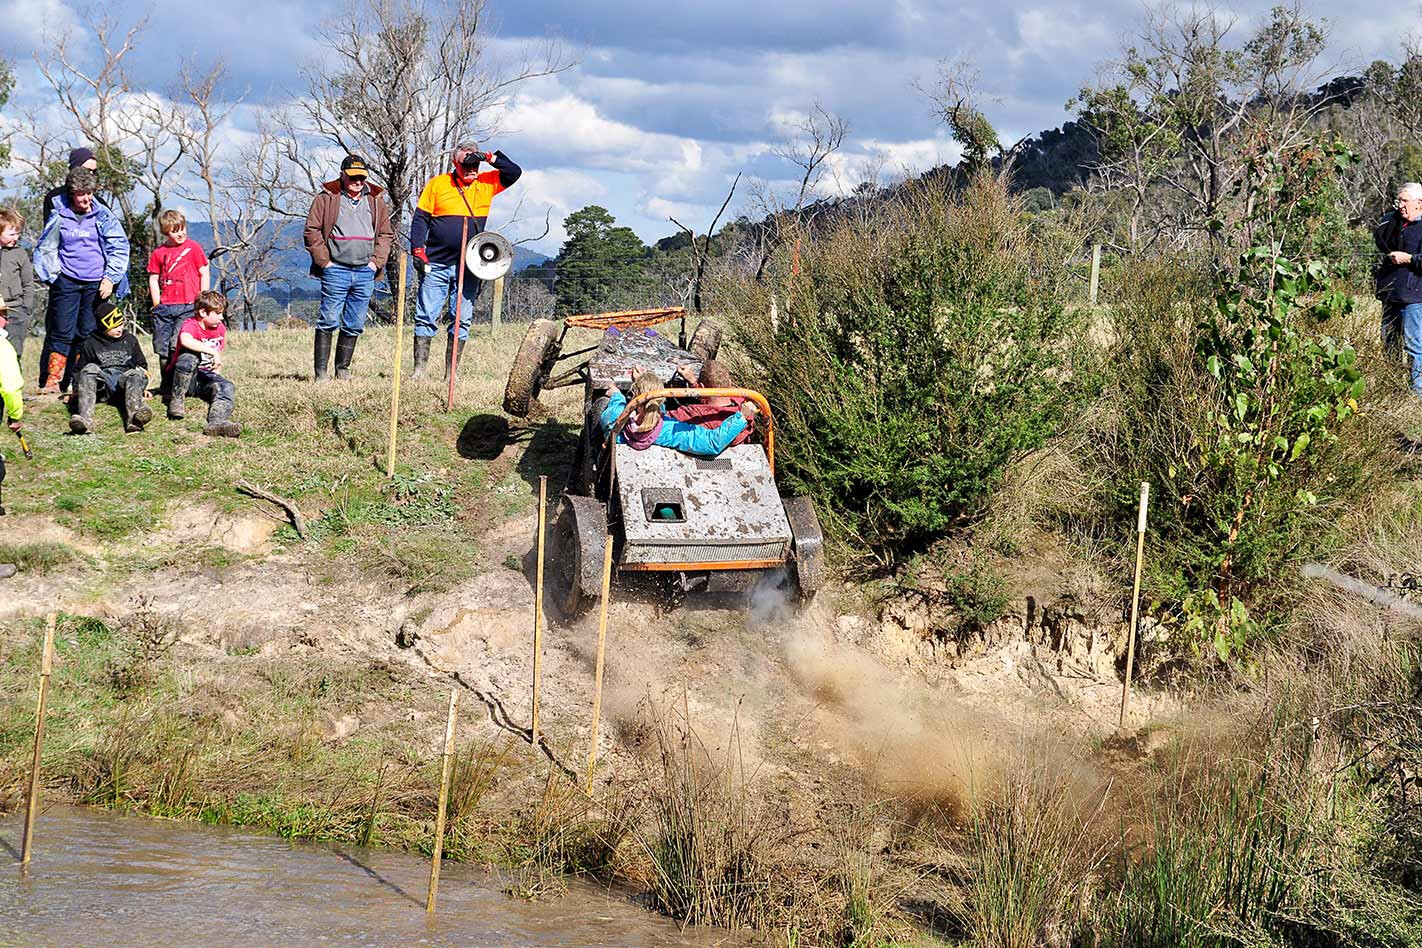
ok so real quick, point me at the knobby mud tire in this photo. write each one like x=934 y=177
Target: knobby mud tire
x=705 y=340
x=574 y=566
x=535 y=357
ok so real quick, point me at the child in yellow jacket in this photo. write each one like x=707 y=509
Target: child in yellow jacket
x=11 y=383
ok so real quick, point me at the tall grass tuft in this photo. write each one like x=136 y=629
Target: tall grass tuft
x=1034 y=863
x=707 y=840
x=1220 y=867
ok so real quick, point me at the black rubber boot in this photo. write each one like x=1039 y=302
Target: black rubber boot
x=136 y=412
x=82 y=421
x=219 y=420
x=345 y=349
x=182 y=381
x=422 y=356
x=449 y=356
x=322 y=354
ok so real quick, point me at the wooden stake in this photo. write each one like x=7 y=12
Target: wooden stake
x=498 y=307
x=1095 y=273
x=601 y=648
x=1135 y=598
x=538 y=606
x=32 y=804
x=443 y=800
x=395 y=385
x=458 y=308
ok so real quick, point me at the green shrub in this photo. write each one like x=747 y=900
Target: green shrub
x=1234 y=394
x=912 y=357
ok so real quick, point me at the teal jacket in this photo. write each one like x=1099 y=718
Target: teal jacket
x=113 y=242
x=693 y=439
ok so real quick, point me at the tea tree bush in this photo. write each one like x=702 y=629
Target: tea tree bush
x=911 y=357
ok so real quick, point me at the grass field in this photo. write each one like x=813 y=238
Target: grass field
x=322 y=445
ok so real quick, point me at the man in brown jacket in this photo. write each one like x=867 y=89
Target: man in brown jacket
x=348 y=235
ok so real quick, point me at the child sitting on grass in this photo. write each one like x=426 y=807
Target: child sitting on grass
x=197 y=360
x=111 y=368
x=649 y=425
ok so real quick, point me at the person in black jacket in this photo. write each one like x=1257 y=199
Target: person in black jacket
x=111 y=367
x=1399 y=278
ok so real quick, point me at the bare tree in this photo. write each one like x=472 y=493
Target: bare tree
x=812 y=140
x=94 y=93
x=405 y=82
x=1173 y=116
x=235 y=193
x=809 y=144
x=155 y=128
x=699 y=255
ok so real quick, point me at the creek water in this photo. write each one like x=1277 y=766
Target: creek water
x=101 y=879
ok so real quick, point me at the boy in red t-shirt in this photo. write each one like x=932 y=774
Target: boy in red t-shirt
x=197 y=360
x=177 y=272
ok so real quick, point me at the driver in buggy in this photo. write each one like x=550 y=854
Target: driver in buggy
x=651 y=423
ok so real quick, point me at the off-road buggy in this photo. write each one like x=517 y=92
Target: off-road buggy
x=716 y=524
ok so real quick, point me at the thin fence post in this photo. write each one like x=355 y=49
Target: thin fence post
x=496 y=308
x=1135 y=598
x=601 y=650
x=538 y=606
x=446 y=761
x=32 y=804
x=395 y=384
x=1095 y=273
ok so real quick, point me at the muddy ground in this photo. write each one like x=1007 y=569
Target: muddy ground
x=843 y=692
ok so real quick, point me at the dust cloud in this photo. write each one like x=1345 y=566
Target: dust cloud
x=921 y=747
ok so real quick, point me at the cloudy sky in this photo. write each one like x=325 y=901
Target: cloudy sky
x=668 y=101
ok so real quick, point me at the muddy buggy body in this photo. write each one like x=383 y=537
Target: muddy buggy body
x=713 y=524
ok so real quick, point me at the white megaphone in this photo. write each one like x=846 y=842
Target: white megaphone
x=488 y=255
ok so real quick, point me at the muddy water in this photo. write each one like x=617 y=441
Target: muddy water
x=99 y=879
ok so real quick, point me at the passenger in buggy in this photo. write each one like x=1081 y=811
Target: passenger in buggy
x=651 y=424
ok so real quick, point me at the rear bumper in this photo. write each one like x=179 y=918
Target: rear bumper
x=701 y=567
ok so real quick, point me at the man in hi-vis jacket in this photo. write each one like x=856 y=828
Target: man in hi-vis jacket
x=448 y=203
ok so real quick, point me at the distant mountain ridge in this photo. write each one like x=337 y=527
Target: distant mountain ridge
x=294 y=281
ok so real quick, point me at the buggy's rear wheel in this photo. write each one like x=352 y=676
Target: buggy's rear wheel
x=531 y=365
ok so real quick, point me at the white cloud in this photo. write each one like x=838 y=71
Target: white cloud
x=30 y=24
x=560 y=191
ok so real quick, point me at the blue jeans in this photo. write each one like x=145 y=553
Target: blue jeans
x=167 y=318
x=205 y=383
x=1403 y=322
x=345 y=298
x=71 y=312
x=437 y=288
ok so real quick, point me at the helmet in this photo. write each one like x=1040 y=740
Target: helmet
x=109 y=314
